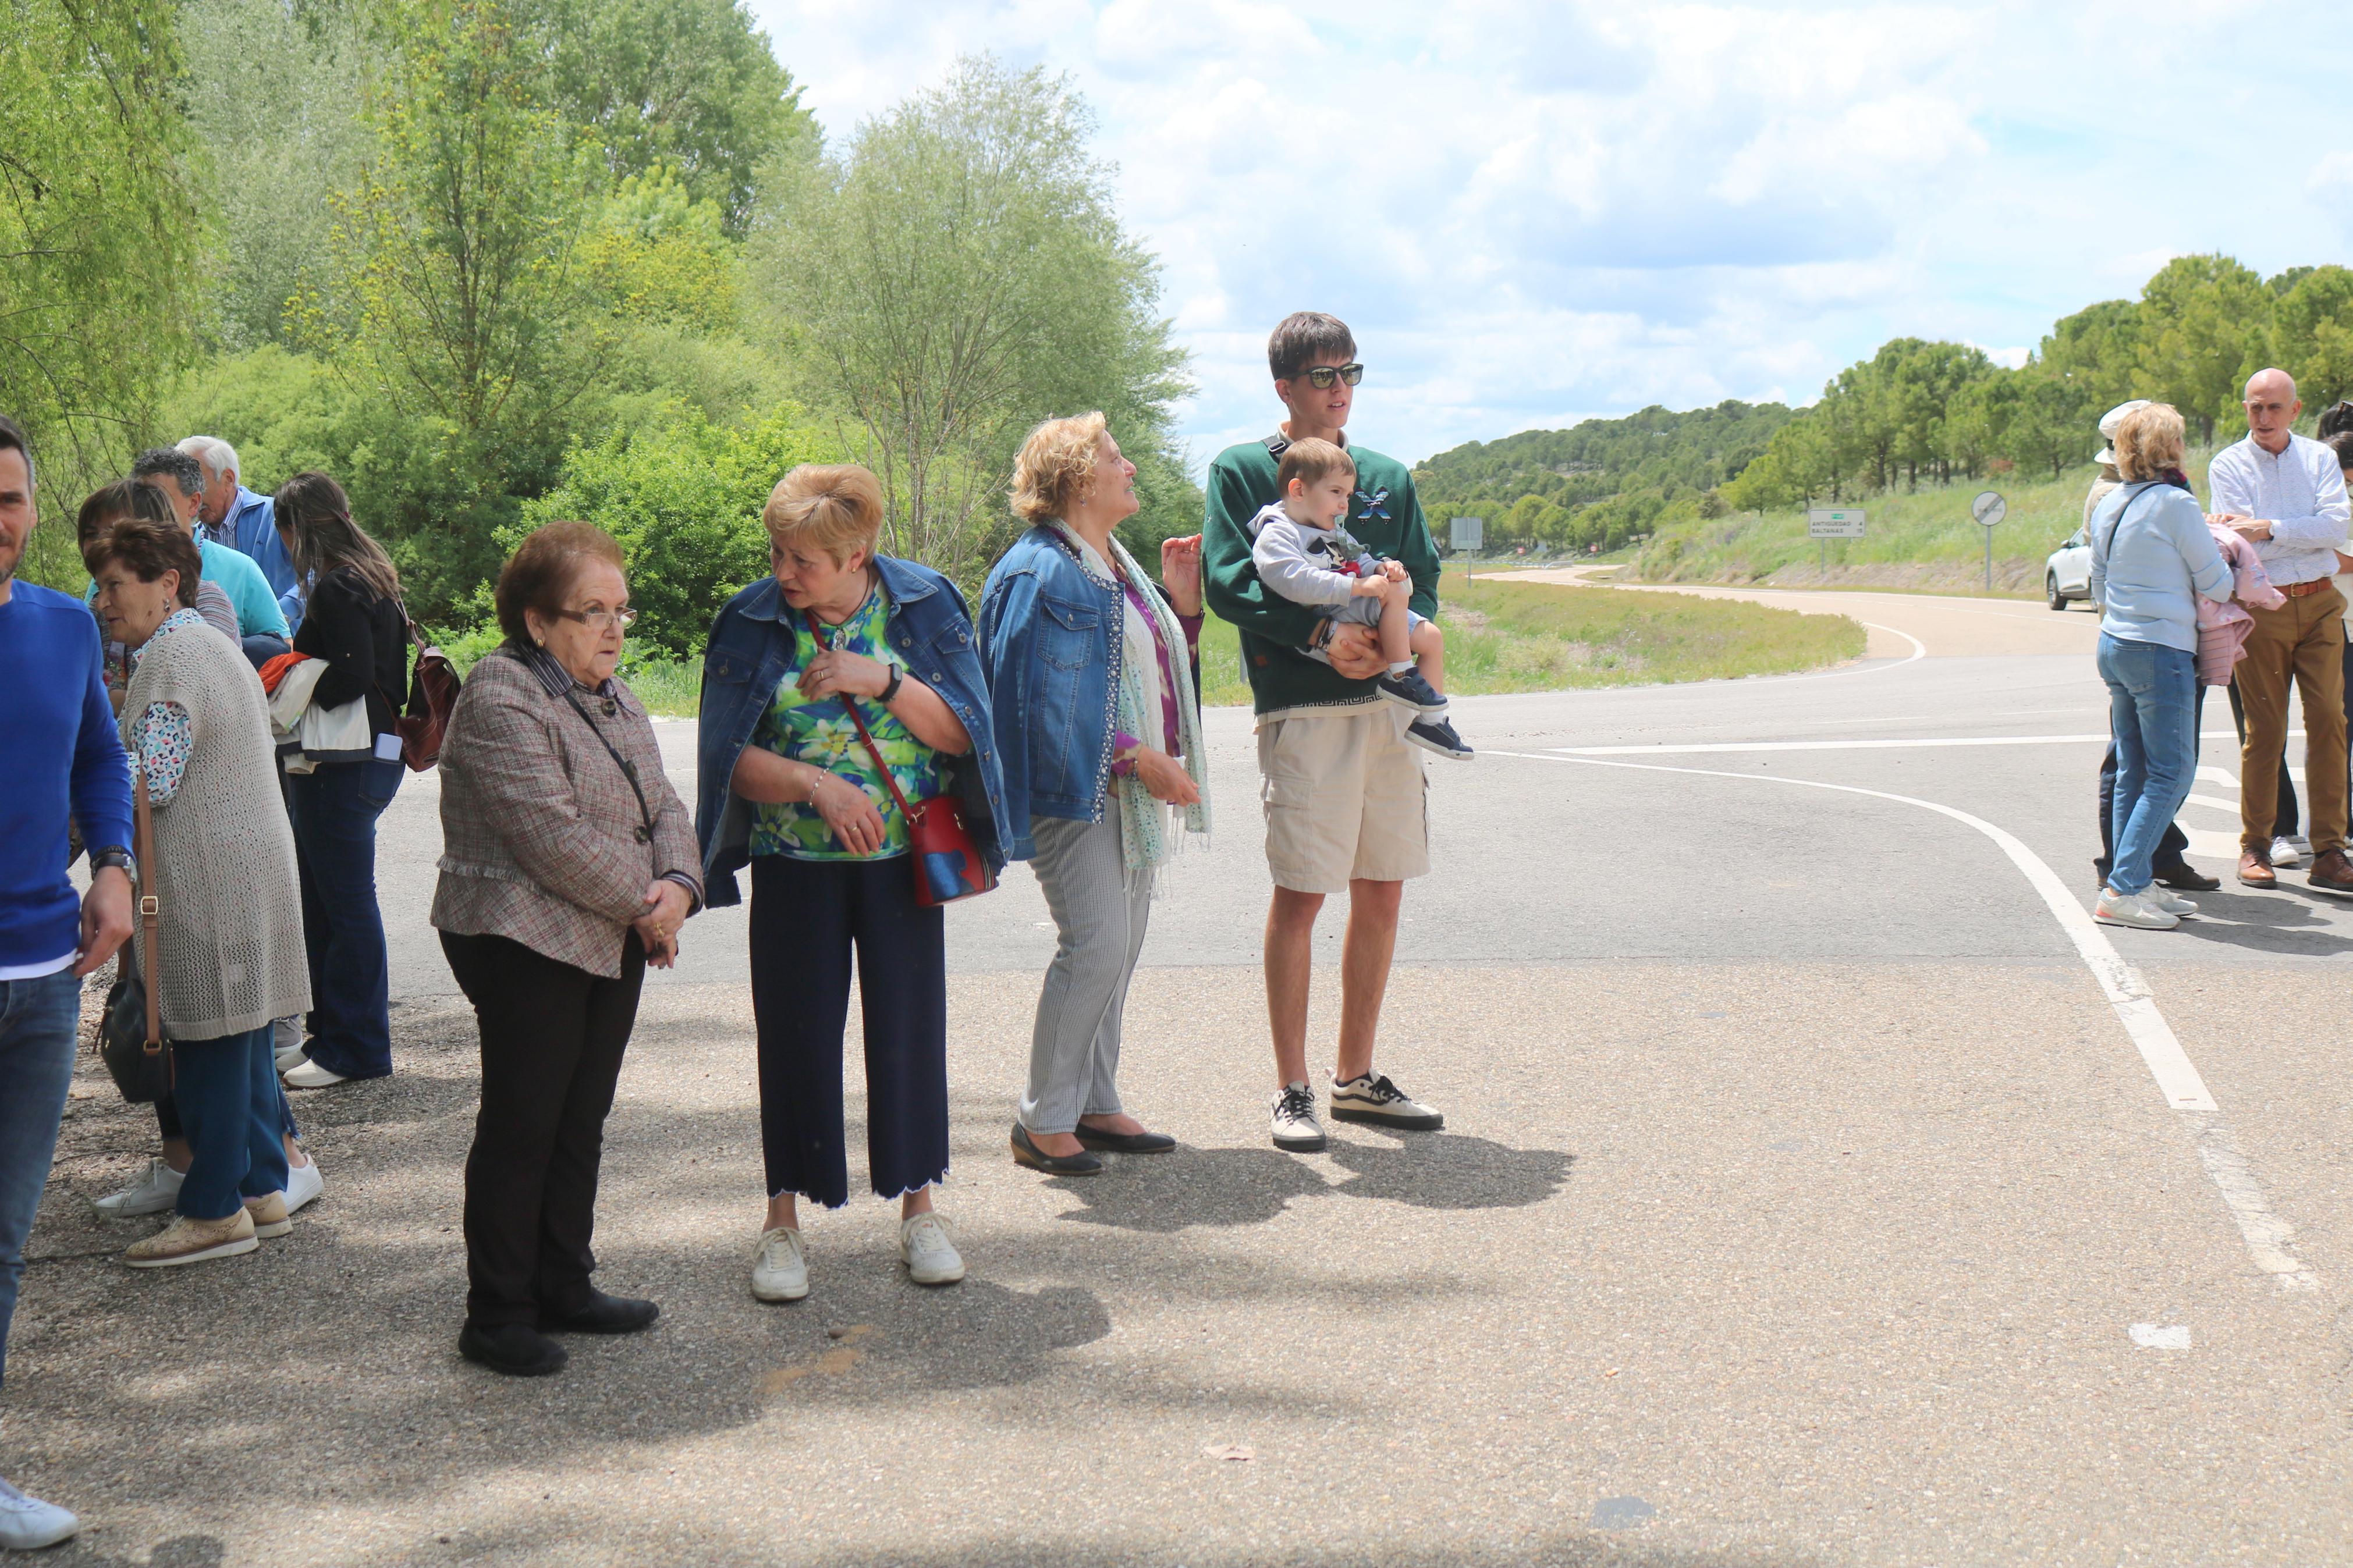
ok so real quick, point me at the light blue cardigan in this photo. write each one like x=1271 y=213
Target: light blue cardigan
x=2152 y=555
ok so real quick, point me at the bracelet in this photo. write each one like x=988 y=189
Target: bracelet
x=898 y=677
x=822 y=774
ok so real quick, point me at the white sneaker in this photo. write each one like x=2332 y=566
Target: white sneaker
x=932 y=1259
x=2289 y=852
x=303 y=1183
x=2161 y=896
x=2117 y=909
x=1291 y=1116
x=779 y=1267
x=26 y=1523
x=286 y=1040
x=307 y=1074
x=152 y=1192
x=288 y=1057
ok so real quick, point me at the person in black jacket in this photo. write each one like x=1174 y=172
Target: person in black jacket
x=353 y=620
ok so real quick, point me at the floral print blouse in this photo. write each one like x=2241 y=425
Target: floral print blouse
x=160 y=737
x=819 y=732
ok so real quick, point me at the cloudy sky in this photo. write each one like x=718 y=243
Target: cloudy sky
x=1531 y=214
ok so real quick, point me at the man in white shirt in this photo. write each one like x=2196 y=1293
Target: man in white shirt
x=2287 y=494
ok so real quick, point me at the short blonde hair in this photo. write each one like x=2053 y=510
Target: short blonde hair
x=1311 y=460
x=2149 y=441
x=1057 y=465
x=836 y=507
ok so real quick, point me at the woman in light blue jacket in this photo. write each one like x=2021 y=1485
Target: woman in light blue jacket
x=2152 y=559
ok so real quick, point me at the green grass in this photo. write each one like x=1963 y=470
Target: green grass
x=1928 y=536
x=1535 y=636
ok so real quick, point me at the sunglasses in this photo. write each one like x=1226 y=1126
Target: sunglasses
x=1322 y=376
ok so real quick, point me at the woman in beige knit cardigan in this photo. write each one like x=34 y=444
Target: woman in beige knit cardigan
x=231 y=959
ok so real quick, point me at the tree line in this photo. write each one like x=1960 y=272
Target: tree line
x=1942 y=411
x=492 y=262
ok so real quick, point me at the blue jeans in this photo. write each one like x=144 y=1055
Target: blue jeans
x=230 y=1101
x=36 y=1058
x=2152 y=698
x=334 y=811
x=261 y=648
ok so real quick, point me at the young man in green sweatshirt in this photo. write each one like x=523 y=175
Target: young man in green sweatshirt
x=1342 y=789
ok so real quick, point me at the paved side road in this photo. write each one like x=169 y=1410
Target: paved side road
x=1814 y=1191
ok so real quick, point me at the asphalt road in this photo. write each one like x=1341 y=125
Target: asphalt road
x=1819 y=1186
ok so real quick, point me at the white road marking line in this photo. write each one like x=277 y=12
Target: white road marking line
x=2269 y=1240
x=2160 y=1337
x=1919 y=651
x=2217 y=776
x=2229 y=805
x=1891 y=744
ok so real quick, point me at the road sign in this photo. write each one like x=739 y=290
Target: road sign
x=1989 y=509
x=1470 y=532
x=1834 y=523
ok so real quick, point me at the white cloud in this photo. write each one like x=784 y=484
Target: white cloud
x=1534 y=211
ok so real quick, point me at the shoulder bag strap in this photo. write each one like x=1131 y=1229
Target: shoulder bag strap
x=850 y=706
x=151 y=908
x=628 y=769
x=2109 y=548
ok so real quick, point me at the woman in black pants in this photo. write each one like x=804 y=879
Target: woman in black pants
x=568 y=865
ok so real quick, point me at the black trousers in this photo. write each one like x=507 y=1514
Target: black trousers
x=552 y=1042
x=2176 y=842
x=807 y=916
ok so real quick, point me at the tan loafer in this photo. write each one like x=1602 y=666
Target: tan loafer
x=271 y=1217
x=186 y=1240
x=2255 y=871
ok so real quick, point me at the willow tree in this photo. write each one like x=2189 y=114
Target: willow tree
x=957 y=272
x=100 y=240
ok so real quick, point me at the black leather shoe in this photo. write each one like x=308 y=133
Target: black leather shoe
x=601 y=1314
x=1025 y=1153
x=518 y=1349
x=1124 y=1142
x=2184 y=877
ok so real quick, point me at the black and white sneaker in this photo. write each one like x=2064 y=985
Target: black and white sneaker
x=1377 y=1100
x=1295 y=1127
x=1410 y=690
x=1435 y=735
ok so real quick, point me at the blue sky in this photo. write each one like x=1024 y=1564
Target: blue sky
x=1532 y=213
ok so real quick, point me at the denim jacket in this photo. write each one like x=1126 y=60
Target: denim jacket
x=744 y=662
x=1051 y=639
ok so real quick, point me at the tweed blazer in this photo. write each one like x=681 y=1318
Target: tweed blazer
x=541 y=838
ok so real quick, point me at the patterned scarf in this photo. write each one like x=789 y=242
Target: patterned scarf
x=1145 y=841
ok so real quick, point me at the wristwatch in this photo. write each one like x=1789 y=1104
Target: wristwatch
x=898 y=677
x=116 y=855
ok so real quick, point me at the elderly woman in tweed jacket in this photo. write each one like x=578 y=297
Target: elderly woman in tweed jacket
x=568 y=864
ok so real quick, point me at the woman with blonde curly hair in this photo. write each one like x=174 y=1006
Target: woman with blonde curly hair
x=1094 y=676
x=836 y=638
x=2152 y=560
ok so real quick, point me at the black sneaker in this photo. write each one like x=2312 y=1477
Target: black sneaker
x=1438 y=735
x=517 y=1350
x=2184 y=877
x=1410 y=690
x=1377 y=1099
x=1295 y=1127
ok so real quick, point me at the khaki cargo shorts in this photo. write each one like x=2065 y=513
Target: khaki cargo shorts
x=1344 y=799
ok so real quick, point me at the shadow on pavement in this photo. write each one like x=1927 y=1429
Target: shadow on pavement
x=1451 y=1171
x=2264 y=923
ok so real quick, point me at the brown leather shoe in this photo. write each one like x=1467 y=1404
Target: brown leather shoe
x=2255 y=869
x=2333 y=873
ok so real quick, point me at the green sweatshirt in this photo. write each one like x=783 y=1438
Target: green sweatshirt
x=1385 y=514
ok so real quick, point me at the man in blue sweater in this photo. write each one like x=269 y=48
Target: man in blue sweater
x=63 y=761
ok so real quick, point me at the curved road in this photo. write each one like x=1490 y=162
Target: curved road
x=1819 y=1186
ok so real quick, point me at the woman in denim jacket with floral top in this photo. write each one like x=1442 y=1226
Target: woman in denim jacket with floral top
x=788 y=787
x=1094 y=680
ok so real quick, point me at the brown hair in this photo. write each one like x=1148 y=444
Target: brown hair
x=836 y=507
x=1301 y=338
x=110 y=504
x=316 y=516
x=540 y=575
x=2149 y=442
x=1311 y=460
x=1057 y=467
x=147 y=549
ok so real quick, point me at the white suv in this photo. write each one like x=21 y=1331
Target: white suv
x=2068 y=573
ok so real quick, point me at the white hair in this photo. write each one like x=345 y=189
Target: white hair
x=216 y=456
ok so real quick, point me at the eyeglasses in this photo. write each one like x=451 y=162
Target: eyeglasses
x=602 y=620
x=1322 y=376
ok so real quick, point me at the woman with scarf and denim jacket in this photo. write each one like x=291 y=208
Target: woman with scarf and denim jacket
x=1094 y=681
x=788 y=787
